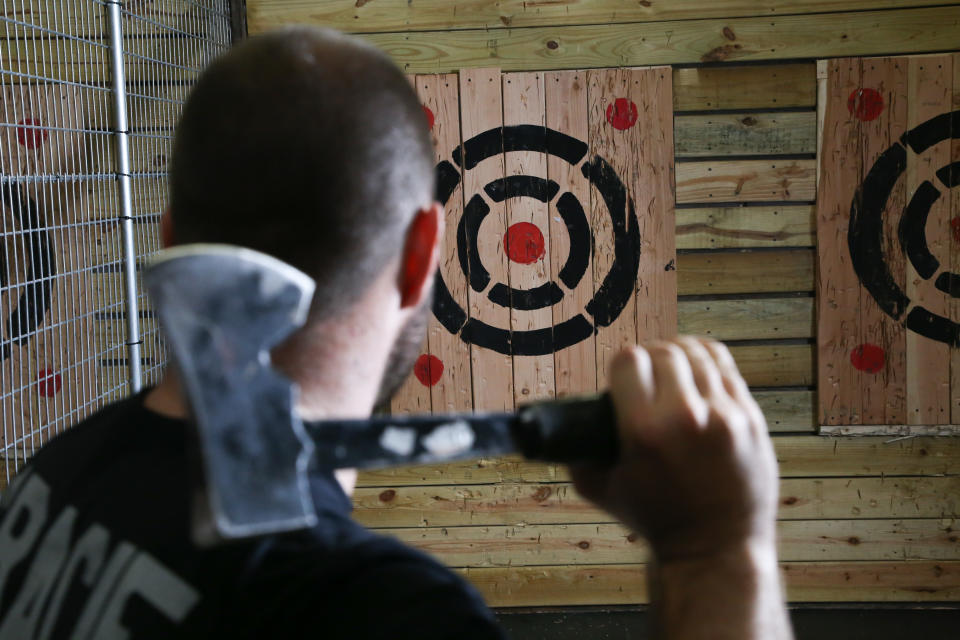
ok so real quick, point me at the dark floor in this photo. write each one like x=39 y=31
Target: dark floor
x=821 y=622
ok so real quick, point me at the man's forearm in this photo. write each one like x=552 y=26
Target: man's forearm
x=735 y=595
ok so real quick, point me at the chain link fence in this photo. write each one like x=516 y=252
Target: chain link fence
x=90 y=91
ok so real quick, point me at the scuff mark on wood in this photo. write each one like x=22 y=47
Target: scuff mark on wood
x=722 y=53
x=729 y=34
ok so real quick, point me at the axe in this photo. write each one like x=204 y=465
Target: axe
x=223 y=308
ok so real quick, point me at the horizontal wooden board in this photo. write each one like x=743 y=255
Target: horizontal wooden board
x=775 y=365
x=745 y=134
x=515 y=504
x=746 y=181
x=745 y=272
x=617 y=584
x=751 y=319
x=364 y=16
x=787 y=410
x=744 y=87
x=797 y=541
x=801 y=456
x=676 y=42
x=745 y=227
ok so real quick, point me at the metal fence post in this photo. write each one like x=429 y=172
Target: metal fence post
x=126 y=210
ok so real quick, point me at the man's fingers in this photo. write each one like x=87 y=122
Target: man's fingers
x=736 y=386
x=706 y=374
x=631 y=379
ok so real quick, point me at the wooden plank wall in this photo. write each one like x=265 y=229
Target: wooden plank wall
x=861 y=519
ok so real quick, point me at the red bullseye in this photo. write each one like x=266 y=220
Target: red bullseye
x=428 y=370
x=29 y=137
x=865 y=104
x=622 y=114
x=524 y=243
x=868 y=358
x=429 y=116
x=49 y=383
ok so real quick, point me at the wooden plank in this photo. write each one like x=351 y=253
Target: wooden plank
x=444 y=15
x=787 y=410
x=654 y=199
x=838 y=288
x=746 y=227
x=746 y=181
x=899 y=430
x=738 y=87
x=619 y=146
x=955 y=254
x=78 y=18
x=619 y=584
x=528 y=223
x=454 y=390
x=883 y=393
x=732 y=134
x=799 y=457
x=798 y=541
x=930 y=92
x=756 y=319
x=567 y=111
x=776 y=366
x=559 y=503
x=481 y=109
x=745 y=272
x=676 y=42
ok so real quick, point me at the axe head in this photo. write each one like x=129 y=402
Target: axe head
x=222 y=309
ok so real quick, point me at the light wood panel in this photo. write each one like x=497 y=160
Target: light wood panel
x=746 y=227
x=731 y=87
x=916 y=581
x=751 y=319
x=559 y=503
x=449 y=15
x=745 y=272
x=732 y=134
x=676 y=42
x=798 y=457
x=775 y=366
x=746 y=181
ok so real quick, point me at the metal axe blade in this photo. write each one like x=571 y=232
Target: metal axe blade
x=222 y=309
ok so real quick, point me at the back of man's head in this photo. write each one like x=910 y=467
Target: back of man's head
x=307 y=145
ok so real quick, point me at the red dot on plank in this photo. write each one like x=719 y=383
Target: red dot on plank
x=428 y=370
x=865 y=104
x=622 y=114
x=429 y=115
x=49 y=383
x=28 y=136
x=524 y=243
x=868 y=358
x=955 y=225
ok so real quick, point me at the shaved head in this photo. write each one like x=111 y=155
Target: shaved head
x=307 y=145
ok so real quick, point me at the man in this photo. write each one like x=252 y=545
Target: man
x=312 y=147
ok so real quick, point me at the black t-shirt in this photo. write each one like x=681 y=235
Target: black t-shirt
x=95 y=543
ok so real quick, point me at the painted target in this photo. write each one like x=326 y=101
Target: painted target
x=611 y=296
x=866 y=240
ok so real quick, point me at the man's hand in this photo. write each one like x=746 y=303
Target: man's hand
x=697 y=476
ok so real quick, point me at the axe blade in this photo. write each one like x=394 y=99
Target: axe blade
x=222 y=309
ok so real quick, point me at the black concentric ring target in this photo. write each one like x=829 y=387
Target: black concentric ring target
x=865 y=237
x=613 y=294
x=35 y=297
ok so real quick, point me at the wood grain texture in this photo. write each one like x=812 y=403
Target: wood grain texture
x=955 y=253
x=838 y=288
x=654 y=199
x=799 y=456
x=775 y=366
x=732 y=134
x=929 y=93
x=567 y=111
x=731 y=87
x=745 y=227
x=620 y=147
x=746 y=181
x=559 y=503
x=745 y=272
x=481 y=109
x=447 y=15
x=750 y=319
x=676 y=42
x=798 y=541
x=613 y=584
x=524 y=103
x=788 y=410
x=454 y=391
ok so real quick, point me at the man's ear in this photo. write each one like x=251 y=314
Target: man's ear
x=166 y=229
x=421 y=255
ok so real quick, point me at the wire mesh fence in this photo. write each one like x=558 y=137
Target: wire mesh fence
x=64 y=304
